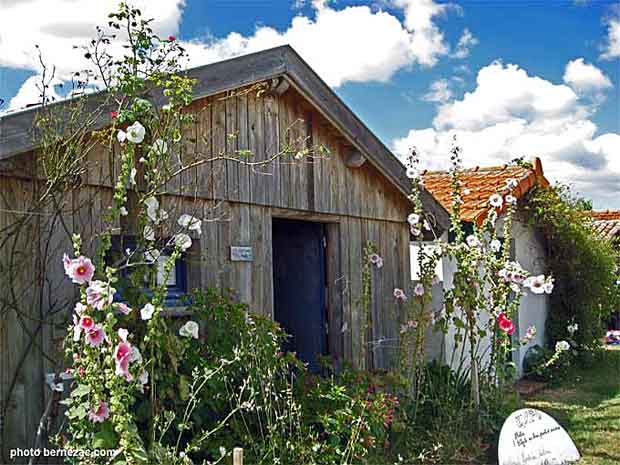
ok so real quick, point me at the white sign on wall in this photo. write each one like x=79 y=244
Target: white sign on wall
x=531 y=437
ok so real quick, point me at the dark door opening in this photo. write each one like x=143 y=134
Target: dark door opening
x=299 y=287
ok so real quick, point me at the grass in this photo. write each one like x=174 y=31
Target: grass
x=587 y=405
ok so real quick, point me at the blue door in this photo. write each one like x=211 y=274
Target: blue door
x=299 y=287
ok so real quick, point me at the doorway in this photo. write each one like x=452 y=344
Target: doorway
x=299 y=287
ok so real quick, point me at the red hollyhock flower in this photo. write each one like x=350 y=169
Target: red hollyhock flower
x=172 y=38
x=505 y=324
x=113 y=114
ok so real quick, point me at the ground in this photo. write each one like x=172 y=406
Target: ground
x=587 y=405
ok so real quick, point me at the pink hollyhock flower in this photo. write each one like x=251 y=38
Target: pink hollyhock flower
x=505 y=324
x=172 y=38
x=99 y=294
x=86 y=323
x=399 y=294
x=80 y=270
x=100 y=414
x=95 y=336
x=122 y=356
x=123 y=308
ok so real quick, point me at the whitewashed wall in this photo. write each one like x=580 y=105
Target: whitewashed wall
x=530 y=253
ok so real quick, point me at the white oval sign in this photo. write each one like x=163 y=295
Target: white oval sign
x=531 y=437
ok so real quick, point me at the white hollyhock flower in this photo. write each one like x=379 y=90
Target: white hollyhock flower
x=189 y=329
x=472 y=241
x=496 y=200
x=412 y=173
x=121 y=136
x=511 y=182
x=418 y=289
x=149 y=233
x=496 y=245
x=190 y=222
x=426 y=225
x=123 y=333
x=183 y=241
x=511 y=199
x=160 y=147
x=548 y=287
x=123 y=211
x=136 y=132
x=155 y=213
x=413 y=219
x=132 y=176
x=147 y=311
x=562 y=346
x=535 y=284
x=151 y=203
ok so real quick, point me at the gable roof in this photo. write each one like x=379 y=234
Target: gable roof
x=480 y=183
x=281 y=62
x=606 y=223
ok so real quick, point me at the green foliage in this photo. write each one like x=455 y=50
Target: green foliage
x=583 y=264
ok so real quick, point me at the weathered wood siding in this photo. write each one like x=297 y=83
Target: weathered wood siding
x=238 y=203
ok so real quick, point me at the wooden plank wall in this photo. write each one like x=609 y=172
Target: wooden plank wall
x=238 y=203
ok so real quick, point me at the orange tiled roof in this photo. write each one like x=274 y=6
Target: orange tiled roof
x=607 y=223
x=480 y=183
x=606 y=215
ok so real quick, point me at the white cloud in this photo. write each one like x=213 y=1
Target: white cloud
x=355 y=43
x=512 y=114
x=464 y=45
x=30 y=92
x=502 y=94
x=439 y=91
x=611 y=49
x=56 y=26
x=585 y=78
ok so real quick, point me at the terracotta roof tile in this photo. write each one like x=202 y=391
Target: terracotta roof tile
x=606 y=215
x=607 y=223
x=480 y=183
x=608 y=229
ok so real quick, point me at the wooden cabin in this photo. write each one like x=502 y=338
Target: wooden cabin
x=288 y=238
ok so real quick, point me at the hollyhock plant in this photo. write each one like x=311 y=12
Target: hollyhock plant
x=376 y=260
x=86 y=323
x=123 y=308
x=400 y=295
x=505 y=324
x=99 y=414
x=182 y=241
x=136 y=133
x=80 y=270
x=146 y=312
x=122 y=357
x=95 y=336
x=419 y=289
x=536 y=284
x=496 y=200
x=190 y=222
x=189 y=329
x=99 y=294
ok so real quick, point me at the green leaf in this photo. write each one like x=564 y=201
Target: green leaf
x=81 y=390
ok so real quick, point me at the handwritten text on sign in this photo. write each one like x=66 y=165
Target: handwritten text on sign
x=531 y=437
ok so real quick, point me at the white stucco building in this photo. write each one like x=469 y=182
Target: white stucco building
x=527 y=247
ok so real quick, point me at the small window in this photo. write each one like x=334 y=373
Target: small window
x=177 y=279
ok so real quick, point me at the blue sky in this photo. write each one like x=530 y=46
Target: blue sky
x=531 y=77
